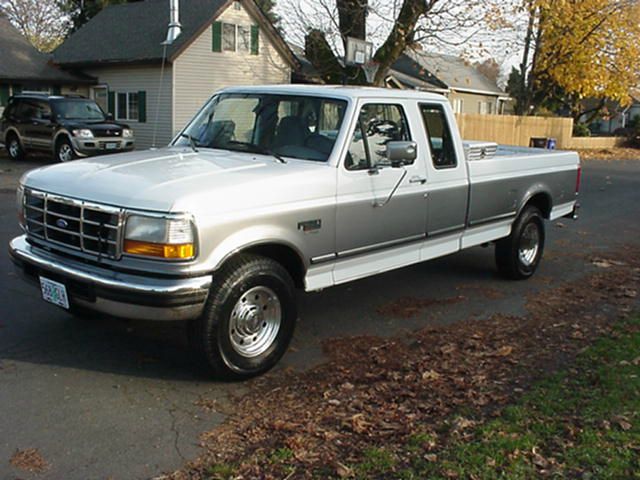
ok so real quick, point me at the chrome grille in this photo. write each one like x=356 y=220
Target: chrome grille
x=83 y=226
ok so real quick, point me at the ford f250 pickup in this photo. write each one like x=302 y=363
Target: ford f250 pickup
x=277 y=188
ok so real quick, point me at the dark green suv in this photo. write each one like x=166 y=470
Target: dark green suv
x=68 y=127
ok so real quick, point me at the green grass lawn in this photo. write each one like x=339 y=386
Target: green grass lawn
x=581 y=423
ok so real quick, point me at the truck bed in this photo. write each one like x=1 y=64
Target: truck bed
x=500 y=184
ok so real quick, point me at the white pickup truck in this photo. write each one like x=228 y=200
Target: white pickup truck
x=274 y=188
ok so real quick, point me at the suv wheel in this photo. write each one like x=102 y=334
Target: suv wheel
x=14 y=148
x=64 y=151
x=249 y=318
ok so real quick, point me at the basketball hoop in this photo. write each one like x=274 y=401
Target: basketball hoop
x=370 y=69
x=358 y=52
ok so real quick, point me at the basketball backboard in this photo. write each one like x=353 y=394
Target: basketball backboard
x=358 y=51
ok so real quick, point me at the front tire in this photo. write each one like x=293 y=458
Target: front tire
x=519 y=254
x=249 y=318
x=64 y=151
x=14 y=148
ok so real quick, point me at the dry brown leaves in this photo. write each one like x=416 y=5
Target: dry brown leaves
x=407 y=307
x=29 y=460
x=616 y=153
x=378 y=392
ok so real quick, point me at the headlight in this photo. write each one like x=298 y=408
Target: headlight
x=127 y=133
x=169 y=238
x=20 y=206
x=83 y=133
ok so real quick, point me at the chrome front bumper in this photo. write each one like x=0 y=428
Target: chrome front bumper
x=114 y=293
x=98 y=145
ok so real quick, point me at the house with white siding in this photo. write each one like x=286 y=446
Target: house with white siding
x=156 y=88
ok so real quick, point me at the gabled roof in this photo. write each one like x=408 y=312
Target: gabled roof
x=445 y=71
x=20 y=61
x=133 y=32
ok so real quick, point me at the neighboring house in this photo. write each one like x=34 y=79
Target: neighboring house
x=22 y=67
x=222 y=43
x=619 y=117
x=468 y=90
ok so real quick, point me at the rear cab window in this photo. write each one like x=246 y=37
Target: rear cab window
x=438 y=133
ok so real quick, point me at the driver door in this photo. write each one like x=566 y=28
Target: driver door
x=366 y=180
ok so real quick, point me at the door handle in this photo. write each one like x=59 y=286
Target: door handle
x=416 y=179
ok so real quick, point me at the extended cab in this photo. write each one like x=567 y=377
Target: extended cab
x=274 y=188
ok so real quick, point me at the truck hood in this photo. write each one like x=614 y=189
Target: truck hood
x=173 y=179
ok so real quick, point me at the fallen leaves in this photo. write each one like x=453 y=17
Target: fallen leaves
x=378 y=391
x=505 y=351
x=430 y=375
x=408 y=307
x=29 y=460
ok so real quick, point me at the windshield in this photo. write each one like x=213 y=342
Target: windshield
x=302 y=127
x=87 y=110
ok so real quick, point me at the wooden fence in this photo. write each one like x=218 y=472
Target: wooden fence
x=514 y=130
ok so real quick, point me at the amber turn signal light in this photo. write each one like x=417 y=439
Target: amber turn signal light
x=183 y=251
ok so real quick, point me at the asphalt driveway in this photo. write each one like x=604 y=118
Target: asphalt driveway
x=113 y=399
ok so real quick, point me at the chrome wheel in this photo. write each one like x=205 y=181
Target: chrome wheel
x=529 y=244
x=14 y=148
x=255 y=321
x=65 y=152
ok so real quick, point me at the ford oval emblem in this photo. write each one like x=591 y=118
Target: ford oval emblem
x=62 y=223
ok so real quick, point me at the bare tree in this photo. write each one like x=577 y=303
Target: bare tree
x=392 y=25
x=41 y=21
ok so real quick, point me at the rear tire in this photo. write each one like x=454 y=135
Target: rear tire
x=14 y=148
x=249 y=318
x=519 y=254
x=64 y=151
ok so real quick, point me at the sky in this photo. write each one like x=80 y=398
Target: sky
x=475 y=42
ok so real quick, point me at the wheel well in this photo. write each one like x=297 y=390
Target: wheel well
x=542 y=202
x=10 y=134
x=61 y=137
x=285 y=256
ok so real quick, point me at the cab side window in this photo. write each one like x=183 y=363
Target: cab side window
x=443 y=153
x=378 y=124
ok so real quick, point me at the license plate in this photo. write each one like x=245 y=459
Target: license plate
x=54 y=292
x=111 y=146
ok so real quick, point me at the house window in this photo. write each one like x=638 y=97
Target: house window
x=485 y=108
x=228 y=37
x=127 y=106
x=244 y=39
x=458 y=105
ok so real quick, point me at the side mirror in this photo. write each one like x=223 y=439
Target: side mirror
x=109 y=117
x=401 y=153
x=46 y=116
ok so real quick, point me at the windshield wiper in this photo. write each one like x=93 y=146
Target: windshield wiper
x=192 y=141
x=255 y=148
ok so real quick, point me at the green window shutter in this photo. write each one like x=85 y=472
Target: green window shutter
x=142 y=106
x=255 y=40
x=216 y=37
x=56 y=90
x=111 y=103
x=4 y=95
x=17 y=89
